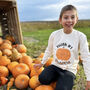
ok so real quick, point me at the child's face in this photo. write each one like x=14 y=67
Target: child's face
x=68 y=20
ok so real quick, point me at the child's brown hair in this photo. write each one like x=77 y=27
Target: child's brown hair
x=66 y=8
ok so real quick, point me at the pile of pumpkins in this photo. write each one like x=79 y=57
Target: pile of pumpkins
x=16 y=67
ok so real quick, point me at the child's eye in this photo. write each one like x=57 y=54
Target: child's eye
x=72 y=17
x=65 y=17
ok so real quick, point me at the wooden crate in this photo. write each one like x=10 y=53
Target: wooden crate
x=9 y=20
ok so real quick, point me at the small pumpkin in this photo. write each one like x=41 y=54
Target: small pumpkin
x=7 y=41
x=53 y=84
x=44 y=87
x=35 y=71
x=34 y=82
x=3 y=80
x=6 y=46
x=21 y=48
x=7 y=52
x=22 y=81
x=41 y=55
x=4 y=61
x=37 y=60
x=4 y=72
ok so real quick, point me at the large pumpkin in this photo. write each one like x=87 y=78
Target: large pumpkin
x=26 y=59
x=3 y=71
x=44 y=87
x=34 y=82
x=20 y=69
x=22 y=81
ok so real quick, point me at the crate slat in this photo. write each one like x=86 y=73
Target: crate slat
x=9 y=20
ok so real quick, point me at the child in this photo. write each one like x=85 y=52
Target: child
x=64 y=45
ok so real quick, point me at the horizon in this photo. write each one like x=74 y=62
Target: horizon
x=56 y=20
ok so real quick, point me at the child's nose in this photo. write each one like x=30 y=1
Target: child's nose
x=69 y=19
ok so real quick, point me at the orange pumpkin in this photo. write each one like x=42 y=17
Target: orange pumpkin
x=7 y=41
x=3 y=80
x=22 y=81
x=6 y=46
x=44 y=87
x=37 y=61
x=53 y=84
x=3 y=71
x=7 y=52
x=41 y=55
x=4 y=60
x=34 y=82
x=26 y=59
x=12 y=65
x=20 y=69
x=21 y=48
x=10 y=38
x=35 y=71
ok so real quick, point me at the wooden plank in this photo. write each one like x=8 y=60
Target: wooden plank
x=8 y=0
x=7 y=4
x=19 y=33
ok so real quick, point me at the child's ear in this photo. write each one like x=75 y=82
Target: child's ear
x=59 y=20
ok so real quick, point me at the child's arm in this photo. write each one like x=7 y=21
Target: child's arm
x=85 y=56
x=49 y=49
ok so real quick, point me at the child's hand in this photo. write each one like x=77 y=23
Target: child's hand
x=38 y=66
x=88 y=85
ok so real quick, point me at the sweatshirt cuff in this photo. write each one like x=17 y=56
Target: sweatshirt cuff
x=43 y=62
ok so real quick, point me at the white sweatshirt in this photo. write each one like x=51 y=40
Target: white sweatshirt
x=65 y=49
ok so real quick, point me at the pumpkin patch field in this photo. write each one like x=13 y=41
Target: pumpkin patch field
x=17 y=61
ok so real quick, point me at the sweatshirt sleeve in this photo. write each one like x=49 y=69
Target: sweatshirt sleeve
x=49 y=50
x=85 y=55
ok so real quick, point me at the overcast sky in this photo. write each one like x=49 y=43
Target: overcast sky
x=48 y=10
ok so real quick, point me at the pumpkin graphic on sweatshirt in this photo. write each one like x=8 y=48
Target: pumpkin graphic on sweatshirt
x=63 y=54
